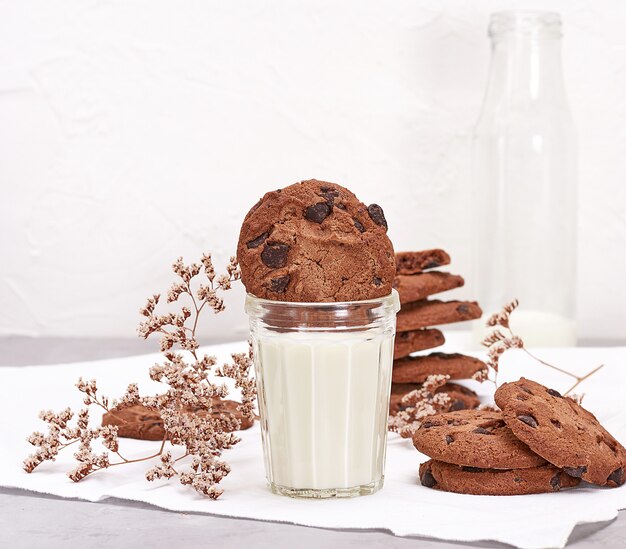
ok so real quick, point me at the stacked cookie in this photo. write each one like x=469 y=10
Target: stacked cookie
x=416 y=282
x=539 y=442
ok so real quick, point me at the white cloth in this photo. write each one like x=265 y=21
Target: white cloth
x=402 y=506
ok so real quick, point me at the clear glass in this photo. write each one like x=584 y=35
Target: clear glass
x=524 y=177
x=324 y=378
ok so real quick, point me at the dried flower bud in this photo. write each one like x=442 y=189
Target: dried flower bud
x=420 y=403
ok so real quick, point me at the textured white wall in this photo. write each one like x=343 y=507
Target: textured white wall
x=133 y=132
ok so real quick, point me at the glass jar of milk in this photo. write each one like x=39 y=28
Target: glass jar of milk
x=324 y=377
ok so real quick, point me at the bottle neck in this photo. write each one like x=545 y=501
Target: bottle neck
x=525 y=71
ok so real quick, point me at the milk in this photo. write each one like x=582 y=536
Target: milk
x=324 y=400
x=536 y=328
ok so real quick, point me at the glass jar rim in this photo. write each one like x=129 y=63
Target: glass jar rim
x=314 y=316
x=387 y=299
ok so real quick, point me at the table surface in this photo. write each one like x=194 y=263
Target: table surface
x=29 y=519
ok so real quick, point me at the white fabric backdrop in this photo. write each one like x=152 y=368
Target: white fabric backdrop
x=133 y=132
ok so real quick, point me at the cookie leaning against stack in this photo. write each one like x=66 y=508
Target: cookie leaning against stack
x=540 y=442
x=416 y=283
x=562 y=432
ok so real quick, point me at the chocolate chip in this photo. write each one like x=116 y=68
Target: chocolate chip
x=377 y=281
x=555 y=482
x=469 y=469
x=279 y=284
x=329 y=190
x=274 y=255
x=432 y=265
x=428 y=479
x=377 y=215
x=554 y=393
x=256 y=242
x=427 y=424
x=318 y=212
x=457 y=405
x=449 y=439
x=528 y=420
x=575 y=472
x=517 y=479
x=482 y=431
x=556 y=423
x=463 y=309
x=358 y=225
x=617 y=477
x=340 y=206
x=329 y=194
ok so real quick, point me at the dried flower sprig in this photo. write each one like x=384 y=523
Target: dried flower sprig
x=501 y=318
x=201 y=437
x=498 y=343
x=426 y=401
x=420 y=403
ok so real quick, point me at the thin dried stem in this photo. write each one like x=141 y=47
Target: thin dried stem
x=579 y=380
x=550 y=365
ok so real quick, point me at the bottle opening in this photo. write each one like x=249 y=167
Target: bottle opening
x=525 y=22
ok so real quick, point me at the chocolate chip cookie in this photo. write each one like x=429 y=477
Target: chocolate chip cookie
x=421 y=314
x=416 y=340
x=562 y=432
x=143 y=423
x=315 y=242
x=461 y=398
x=474 y=438
x=409 y=263
x=416 y=287
x=415 y=369
x=493 y=482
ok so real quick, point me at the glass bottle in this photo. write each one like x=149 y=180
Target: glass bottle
x=524 y=176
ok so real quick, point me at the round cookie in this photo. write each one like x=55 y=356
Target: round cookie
x=315 y=242
x=138 y=421
x=461 y=398
x=474 y=438
x=562 y=432
x=490 y=482
x=415 y=369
